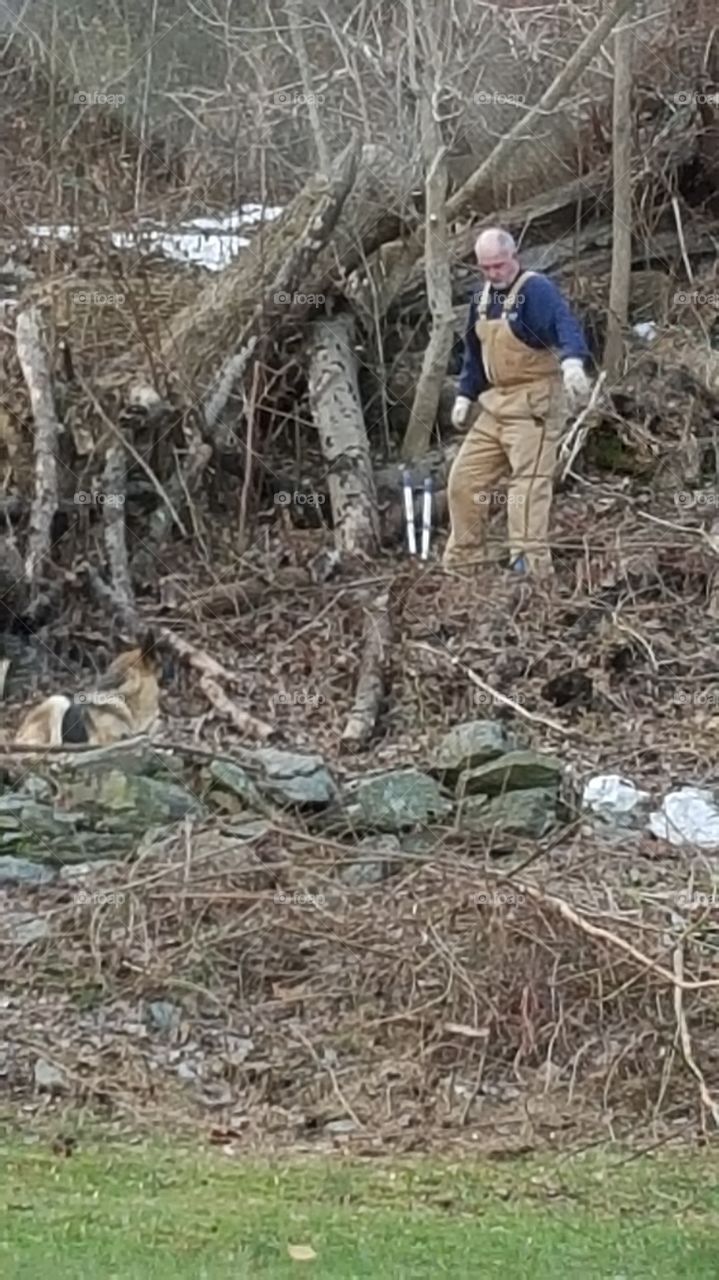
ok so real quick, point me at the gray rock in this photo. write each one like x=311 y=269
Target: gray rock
x=19 y=928
x=150 y=800
x=163 y=1015
x=359 y=873
x=23 y=871
x=340 y=1126
x=468 y=745
x=291 y=778
x=395 y=800
x=49 y=1079
x=531 y=812
x=234 y=778
x=36 y=788
x=79 y=871
x=249 y=828
x=516 y=771
x=94 y=814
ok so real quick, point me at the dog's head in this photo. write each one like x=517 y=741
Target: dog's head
x=136 y=666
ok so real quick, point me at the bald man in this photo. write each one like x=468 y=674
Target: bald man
x=524 y=360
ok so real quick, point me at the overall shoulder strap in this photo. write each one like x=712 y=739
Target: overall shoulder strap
x=511 y=297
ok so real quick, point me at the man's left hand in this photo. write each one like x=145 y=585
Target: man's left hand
x=576 y=384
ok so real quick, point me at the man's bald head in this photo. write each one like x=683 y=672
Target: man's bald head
x=497 y=256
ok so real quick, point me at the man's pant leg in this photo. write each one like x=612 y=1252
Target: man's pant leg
x=532 y=444
x=479 y=465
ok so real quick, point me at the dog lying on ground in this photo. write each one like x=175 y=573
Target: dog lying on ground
x=124 y=702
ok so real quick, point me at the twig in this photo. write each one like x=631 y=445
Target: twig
x=597 y=931
x=70 y=748
x=576 y=435
x=242 y=720
x=211 y=672
x=682 y=1027
x=682 y=241
x=127 y=444
x=326 y=1067
x=566 y=731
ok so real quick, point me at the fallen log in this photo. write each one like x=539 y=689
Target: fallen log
x=547 y=215
x=371 y=683
x=238 y=304
x=35 y=367
x=211 y=673
x=337 y=412
x=308 y=251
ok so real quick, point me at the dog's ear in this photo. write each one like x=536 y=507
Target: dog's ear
x=148 y=644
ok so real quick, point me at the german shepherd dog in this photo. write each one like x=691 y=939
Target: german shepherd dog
x=125 y=701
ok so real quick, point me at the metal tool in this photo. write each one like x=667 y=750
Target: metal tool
x=409 y=512
x=426 y=517
x=409 y=515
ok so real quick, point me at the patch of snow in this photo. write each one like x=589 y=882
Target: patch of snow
x=212 y=242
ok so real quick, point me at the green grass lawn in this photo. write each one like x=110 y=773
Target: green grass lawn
x=163 y=1212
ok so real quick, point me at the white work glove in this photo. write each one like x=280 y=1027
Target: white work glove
x=576 y=384
x=460 y=411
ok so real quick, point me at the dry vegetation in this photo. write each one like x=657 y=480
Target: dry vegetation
x=586 y=1004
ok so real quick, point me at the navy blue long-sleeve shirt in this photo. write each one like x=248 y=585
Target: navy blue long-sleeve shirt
x=541 y=318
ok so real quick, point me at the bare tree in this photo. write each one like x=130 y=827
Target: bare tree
x=427 y=39
x=622 y=212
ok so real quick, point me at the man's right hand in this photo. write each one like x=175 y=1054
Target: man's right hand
x=460 y=411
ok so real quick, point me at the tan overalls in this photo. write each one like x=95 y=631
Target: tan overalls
x=518 y=431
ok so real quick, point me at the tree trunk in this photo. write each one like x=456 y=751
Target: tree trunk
x=622 y=210
x=337 y=412
x=464 y=200
x=329 y=229
x=244 y=300
x=294 y=12
x=115 y=486
x=439 y=287
x=35 y=367
x=555 y=211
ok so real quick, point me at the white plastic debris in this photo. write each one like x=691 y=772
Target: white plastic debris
x=646 y=329
x=612 y=796
x=687 y=816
